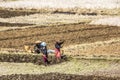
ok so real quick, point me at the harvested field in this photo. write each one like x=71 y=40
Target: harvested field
x=107 y=4
x=14 y=24
x=107 y=21
x=48 y=19
x=4 y=13
x=74 y=29
x=55 y=76
x=103 y=68
x=72 y=34
x=92 y=42
x=96 y=49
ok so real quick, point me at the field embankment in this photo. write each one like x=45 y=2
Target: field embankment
x=28 y=58
x=95 y=68
x=55 y=76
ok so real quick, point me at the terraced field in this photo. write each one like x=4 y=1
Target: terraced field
x=72 y=34
x=19 y=27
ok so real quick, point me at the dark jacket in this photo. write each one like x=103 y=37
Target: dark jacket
x=37 y=48
x=58 y=45
x=43 y=48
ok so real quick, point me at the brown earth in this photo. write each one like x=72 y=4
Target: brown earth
x=14 y=24
x=55 y=76
x=29 y=58
x=4 y=13
x=80 y=11
x=72 y=34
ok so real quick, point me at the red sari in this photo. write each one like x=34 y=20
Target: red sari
x=57 y=53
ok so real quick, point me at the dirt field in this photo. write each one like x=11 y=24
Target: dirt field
x=72 y=34
x=104 y=68
x=98 y=44
x=55 y=76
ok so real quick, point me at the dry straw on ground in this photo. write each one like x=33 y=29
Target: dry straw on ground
x=55 y=76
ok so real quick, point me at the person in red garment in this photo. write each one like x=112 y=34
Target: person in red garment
x=57 y=50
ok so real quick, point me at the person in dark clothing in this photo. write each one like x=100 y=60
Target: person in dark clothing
x=37 y=48
x=58 y=45
x=42 y=47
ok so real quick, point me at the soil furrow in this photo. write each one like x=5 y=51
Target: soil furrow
x=71 y=34
x=14 y=24
x=54 y=31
